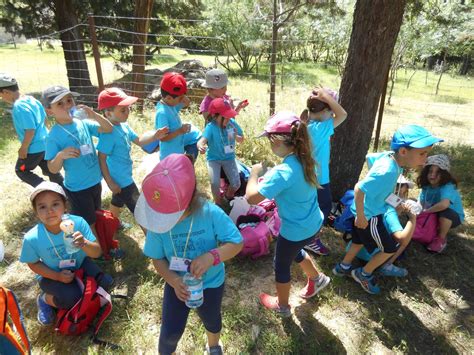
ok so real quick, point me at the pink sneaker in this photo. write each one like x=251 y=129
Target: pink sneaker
x=437 y=245
x=313 y=287
x=271 y=303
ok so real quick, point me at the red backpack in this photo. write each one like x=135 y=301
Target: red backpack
x=79 y=318
x=13 y=338
x=106 y=225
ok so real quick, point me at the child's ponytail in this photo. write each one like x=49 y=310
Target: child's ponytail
x=302 y=148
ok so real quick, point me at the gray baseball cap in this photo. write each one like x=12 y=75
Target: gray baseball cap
x=216 y=79
x=53 y=94
x=6 y=80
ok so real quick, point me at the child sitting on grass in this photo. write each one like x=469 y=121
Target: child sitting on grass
x=46 y=254
x=115 y=148
x=439 y=194
x=186 y=233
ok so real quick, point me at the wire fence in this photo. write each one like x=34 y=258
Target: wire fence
x=448 y=114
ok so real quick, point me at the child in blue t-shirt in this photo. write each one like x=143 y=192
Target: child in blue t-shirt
x=186 y=233
x=439 y=194
x=45 y=252
x=173 y=99
x=323 y=114
x=114 y=148
x=218 y=141
x=29 y=122
x=191 y=140
x=293 y=184
x=373 y=195
x=70 y=146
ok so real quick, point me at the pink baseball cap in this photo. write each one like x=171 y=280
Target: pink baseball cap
x=222 y=107
x=166 y=193
x=280 y=123
x=111 y=97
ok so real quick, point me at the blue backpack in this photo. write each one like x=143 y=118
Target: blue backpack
x=343 y=222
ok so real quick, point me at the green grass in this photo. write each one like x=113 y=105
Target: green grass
x=428 y=312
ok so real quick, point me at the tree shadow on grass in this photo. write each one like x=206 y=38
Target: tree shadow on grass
x=310 y=336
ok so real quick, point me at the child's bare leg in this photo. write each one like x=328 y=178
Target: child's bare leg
x=49 y=300
x=308 y=267
x=444 y=227
x=213 y=338
x=283 y=293
x=352 y=253
x=403 y=245
x=115 y=211
x=377 y=260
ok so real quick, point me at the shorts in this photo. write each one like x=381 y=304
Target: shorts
x=85 y=202
x=452 y=215
x=375 y=235
x=128 y=196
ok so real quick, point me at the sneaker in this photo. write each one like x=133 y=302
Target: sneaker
x=338 y=270
x=317 y=247
x=437 y=245
x=46 y=314
x=367 y=283
x=271 y=303
x=313 y=287
x=392 y=270
x=214 y=350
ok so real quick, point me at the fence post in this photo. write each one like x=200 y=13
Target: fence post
x=380 y=115
x=95 y=51
x=273 y=58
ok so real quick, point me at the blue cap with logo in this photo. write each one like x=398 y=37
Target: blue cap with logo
x=413 y=136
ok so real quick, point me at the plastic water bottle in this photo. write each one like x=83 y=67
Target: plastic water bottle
x=78 y=113
x=195 y=289
x=2 y=250
x=67 y=226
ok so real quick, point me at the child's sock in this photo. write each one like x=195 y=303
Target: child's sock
x=318 y=278
x=365 y=274
x=345 y=266
x=43 y=298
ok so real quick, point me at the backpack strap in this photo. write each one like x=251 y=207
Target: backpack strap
x=9 y=305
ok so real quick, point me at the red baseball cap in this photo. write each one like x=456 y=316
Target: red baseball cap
x=222 y=107
x=174 y=84
x=111 y=97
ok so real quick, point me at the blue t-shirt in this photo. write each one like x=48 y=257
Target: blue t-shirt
x=117 y=146
x=37 y=246
x=378 y=185
x=28 y=113
x=211 y=226
x=320 y=133
x=168 y=116
x=192 y=136
x=82 y=172
x=218 y=138
x=296 y=199
x=430 y=196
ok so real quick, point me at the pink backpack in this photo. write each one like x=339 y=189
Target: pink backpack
x=256 y=235
x=426 y=228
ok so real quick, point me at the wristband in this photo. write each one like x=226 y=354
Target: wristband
x=216 y=256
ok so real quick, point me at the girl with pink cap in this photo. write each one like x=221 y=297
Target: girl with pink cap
x=293 y=184
x=185 y=234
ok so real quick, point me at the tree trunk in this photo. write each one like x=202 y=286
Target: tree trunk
x=466 y=64
x=73 y=48
x=374 y=33
x=142 y=10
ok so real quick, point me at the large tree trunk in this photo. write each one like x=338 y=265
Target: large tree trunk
x=374 y=33
x=73 y=48
x=142 y=13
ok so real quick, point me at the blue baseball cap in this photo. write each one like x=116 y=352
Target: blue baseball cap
x=413 y=136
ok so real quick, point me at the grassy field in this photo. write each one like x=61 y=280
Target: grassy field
x=430 y=311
